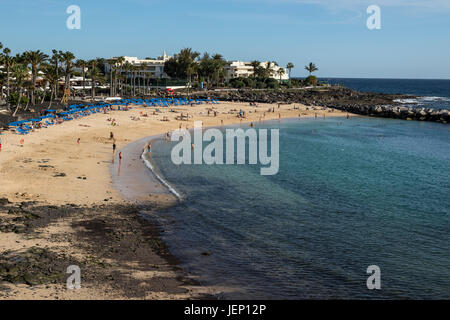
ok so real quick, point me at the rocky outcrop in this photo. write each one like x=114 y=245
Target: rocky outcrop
x=363 y=103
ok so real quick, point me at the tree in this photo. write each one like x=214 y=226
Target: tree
x=82 y=64
x=183 y=65
x=219 y=64
x=280 y=72
x=20 y=73
x=55 y=59
x=95 y=73
x=112 y=64
x=127 y=67
x=7 y=62
x=51 y=76
x=119 y=64
x=144 y=67
x=67 y=58
x=290 y=66
x=35 y=59
x=311 y=67
x=268 y=70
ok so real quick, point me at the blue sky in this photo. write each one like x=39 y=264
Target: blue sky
x=414 y=41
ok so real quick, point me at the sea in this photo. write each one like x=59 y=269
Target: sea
x=350 y=195
x=428 y=93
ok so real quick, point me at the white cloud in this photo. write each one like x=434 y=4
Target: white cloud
x=434 y=5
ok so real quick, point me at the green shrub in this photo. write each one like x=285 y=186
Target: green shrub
x=311 y=81
x=12 y=99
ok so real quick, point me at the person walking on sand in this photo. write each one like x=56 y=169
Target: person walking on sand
x=111 y=135
x=120 y=157
x=149 y=147
x=79 y=140
x=114 y=148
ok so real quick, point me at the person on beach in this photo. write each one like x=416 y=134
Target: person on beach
x=149 y=147
x=111 y=135
x=120 y=157
x=0 y=144
x=79 y=140
x=114 y=148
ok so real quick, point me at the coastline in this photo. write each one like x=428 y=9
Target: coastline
x=62 y=198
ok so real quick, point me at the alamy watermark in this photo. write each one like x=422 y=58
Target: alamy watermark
x=374 y=280
x=74 y=280
x=235 y=147
x=374 y=20
x=73 y=22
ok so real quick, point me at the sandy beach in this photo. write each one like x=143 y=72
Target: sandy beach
x=58 y=207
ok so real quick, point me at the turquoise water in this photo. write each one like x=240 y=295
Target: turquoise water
x=349 y=194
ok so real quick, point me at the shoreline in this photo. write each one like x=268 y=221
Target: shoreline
x=59 y=197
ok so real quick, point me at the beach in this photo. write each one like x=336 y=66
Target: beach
x=59 y=206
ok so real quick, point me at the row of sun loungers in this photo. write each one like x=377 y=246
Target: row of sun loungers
x=80 y=110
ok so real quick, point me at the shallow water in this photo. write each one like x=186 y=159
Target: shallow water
x=349 y=194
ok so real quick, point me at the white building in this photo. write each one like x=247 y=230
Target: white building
x=153 y=67
x=236 y=69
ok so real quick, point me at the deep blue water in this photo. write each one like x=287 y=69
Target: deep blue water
x=349 y=194
x=431 y=93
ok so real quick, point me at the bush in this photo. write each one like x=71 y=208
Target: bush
x=250 y=83
x=12 y=99
x=261 y=85
x=237 y=83
x=311 y=81
x=272 y=83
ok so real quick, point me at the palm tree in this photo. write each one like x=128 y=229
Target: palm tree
x=268 y=70
x=127 y=67
x=290 y=66
x=144 y=67
x=119 y=65
x=82 y=64
x=311 y=67
x=94 y=73
x=133 y=79
x=280 y=72
x=187 y=59
x=35 y=59
x=112 y=64
x=67 y=58
x=20 y=72
x=51 y=76
x=255 y=64
x=219 y=63
x=55 y=59
x=7 y=62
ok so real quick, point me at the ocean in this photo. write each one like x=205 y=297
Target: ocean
x=430 y=93
x=350 y=193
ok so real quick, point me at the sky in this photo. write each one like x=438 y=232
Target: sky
x=413 y=42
